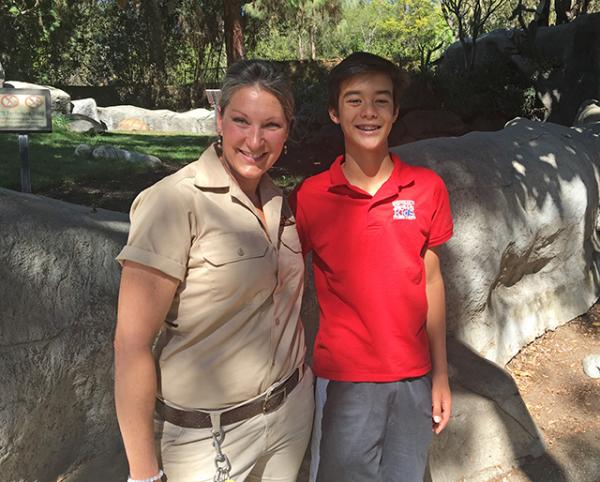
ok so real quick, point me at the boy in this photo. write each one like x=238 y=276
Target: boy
x=373 y=224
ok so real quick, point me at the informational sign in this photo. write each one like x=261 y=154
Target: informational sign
x=25 y=110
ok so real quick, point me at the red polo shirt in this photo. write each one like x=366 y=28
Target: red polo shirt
x=368 y=269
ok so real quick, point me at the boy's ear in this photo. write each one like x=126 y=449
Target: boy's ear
x=333 y=115
x=396 y=112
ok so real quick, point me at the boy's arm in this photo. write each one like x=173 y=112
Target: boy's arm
x=436 y=330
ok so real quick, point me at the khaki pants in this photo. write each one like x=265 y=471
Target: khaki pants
x=267 y=447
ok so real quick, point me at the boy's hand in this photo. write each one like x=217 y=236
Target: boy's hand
x=441 y=402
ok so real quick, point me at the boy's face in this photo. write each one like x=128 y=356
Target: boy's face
x=366 y=111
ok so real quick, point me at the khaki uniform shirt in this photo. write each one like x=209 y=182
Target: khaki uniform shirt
x=234 y=326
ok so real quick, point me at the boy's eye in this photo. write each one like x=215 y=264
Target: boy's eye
x=382 y=101
x=353 y=101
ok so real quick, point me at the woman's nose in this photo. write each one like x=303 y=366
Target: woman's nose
x=255 y=137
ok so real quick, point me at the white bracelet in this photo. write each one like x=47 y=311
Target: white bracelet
x=151 y=479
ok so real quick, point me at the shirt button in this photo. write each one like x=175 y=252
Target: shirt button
x=277 y=321
x=240 y=252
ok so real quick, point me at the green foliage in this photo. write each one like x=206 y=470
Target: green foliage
x=408 y=30
x=498 y=88
x=291 y=29
x=309 y=82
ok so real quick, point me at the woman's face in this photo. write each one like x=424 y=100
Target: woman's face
x=254 y=130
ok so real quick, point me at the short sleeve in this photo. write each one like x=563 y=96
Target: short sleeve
x=301 y=223
x=160 y=235
x=441 y=224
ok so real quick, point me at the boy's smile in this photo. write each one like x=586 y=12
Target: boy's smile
x=366 y=111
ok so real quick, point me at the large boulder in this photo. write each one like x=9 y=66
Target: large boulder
x=83 y=124
x=86 y=107
x=524 y=255
x=129 y=117
x=58 y=286
x=116 y=153
x=60 y=100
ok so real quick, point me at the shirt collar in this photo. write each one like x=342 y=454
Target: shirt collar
x=212 y=174
x=402 y=174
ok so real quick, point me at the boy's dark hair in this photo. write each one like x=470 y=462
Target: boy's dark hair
x=360 y=63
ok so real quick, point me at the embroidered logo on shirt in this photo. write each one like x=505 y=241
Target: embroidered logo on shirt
x=404 y=209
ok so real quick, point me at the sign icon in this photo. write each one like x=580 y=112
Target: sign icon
x=9 y=101
x=34 y=101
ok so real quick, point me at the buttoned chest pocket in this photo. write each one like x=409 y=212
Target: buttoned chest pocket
x=240 y=267
x=291 y=262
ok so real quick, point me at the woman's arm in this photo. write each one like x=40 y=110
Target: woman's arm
x=436 y=330
x=145 y=296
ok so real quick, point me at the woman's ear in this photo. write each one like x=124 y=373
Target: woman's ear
x=219 y=121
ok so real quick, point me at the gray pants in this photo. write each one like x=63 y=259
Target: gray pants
x=371 y=432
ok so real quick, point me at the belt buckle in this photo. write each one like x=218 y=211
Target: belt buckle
x=269 y=396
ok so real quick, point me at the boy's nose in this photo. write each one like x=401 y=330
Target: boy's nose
x=369 y=110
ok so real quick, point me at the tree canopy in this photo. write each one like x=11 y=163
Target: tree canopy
x=187 y=42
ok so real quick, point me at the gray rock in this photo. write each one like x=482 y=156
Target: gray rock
x=61 y=101
x=86 y=107
x=491 y=428
x=524 y=255
x=588 y=115
x=128 y=117
x=111 y=152
x=83 y=151
x=84 y=125
x=591 y=366
x=58 y=286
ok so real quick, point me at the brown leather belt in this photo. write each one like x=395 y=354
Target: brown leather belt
x=265 y=404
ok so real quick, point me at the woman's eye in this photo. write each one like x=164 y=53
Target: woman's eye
x=273 y=125
x=240 y=120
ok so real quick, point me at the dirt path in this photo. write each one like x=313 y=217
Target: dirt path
x=564 y=402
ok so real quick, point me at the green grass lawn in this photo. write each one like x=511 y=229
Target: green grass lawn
x=58 y=173
x=53 y=162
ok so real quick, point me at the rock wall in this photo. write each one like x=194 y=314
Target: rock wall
x=524 y=256
x=58 y=287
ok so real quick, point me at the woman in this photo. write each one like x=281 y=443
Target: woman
x=213 y=266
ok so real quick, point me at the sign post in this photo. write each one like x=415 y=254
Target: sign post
x=23 y=111
x=24 y=155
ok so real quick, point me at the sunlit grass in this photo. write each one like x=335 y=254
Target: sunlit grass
x=53 y=162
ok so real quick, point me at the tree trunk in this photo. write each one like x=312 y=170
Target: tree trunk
x=157 y=47
x=542 y=13
x=313 y=43
x=234 y=32
x=300 y=47
x=562 y=9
